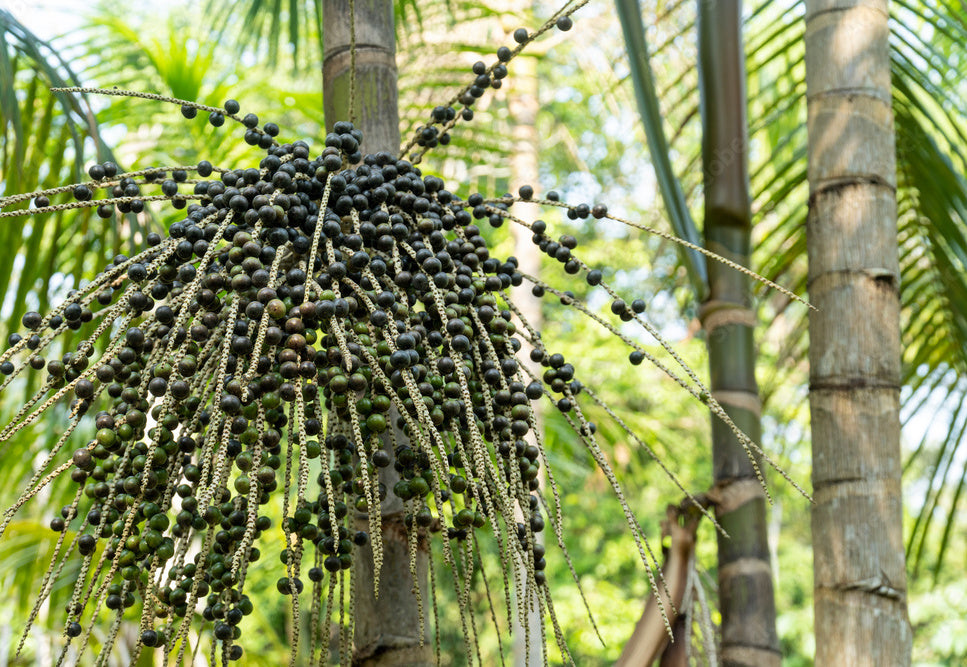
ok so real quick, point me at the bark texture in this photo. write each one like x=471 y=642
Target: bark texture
x=746 y=595
x=376 y=108
x=859 y=568
x=387 y=627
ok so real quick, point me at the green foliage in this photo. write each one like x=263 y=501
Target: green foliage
x=35 y=125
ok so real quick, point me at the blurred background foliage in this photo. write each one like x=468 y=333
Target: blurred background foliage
x=592 y=149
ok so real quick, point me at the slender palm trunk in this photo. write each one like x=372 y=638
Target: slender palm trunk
x=745 y=577
x=376 y=110
x=388 y=629
x=854 y=355
x=523 y=105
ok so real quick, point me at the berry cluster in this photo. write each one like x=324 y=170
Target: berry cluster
x=338 y=307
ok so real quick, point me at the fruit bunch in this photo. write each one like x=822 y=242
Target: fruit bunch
x=336 y=308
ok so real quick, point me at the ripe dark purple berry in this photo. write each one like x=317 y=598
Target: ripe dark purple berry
x=32 y=320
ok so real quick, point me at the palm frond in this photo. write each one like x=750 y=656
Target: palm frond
x=648 y=106
x=271 y=28
x=44 y=142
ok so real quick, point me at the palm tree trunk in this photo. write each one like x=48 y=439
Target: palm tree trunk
x=388 y=629
x=376 y=110
x=522 y=100
x=745 y=576
x=854 y=355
